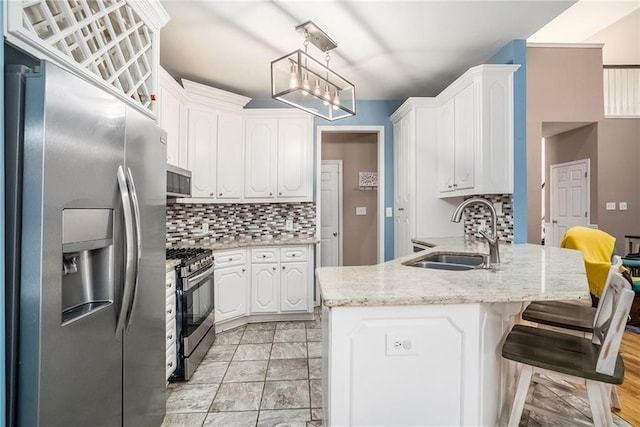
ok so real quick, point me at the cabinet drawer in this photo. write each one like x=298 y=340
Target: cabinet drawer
x=170 y=283
x=171 y=361
x=294 y=253
x=171 y=333
x=230 y=258
x=265 y=255
x=171 y=307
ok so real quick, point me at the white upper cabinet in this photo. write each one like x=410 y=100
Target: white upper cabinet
x=172 y=117
x=229 y=157
x=475 y=133
x=215 y=143
x=278 y=160
x=260 y=158
x=294 y=147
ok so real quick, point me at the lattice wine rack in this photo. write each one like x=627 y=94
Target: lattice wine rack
x=106 y=38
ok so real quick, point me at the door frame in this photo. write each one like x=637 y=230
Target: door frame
x=340 y=209
x=552 y=206
x=379 y=131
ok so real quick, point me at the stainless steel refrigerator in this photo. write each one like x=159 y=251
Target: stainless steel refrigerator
x=85 y=194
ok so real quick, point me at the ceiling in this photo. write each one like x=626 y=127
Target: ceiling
x=387 y=49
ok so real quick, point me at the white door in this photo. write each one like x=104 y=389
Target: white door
x=203 y=135
x=229 y=159
x=294 y=286
x=331 y=213
x=569 y=198
x=260 y=158
x=265 y=281
x=230 y=292
x=294 y=168
x=465 y=136
x=446 y=143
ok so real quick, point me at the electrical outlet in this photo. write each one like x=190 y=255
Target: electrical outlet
x=388 y=212
x=205 y=227
x=288 y=225
x=361 y=210
x=610 y=206
x=401 y=344
x=498 y=207
x=622 y=206
x=483 y=225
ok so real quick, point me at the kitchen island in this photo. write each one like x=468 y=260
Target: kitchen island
x=415 y=346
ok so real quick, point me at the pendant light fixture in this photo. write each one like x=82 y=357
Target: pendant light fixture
x=299 y=80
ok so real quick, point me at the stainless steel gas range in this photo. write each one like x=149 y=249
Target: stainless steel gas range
x=194 y=308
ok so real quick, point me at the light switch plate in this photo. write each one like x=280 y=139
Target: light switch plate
x=622 y=206
x=388 y=212
x=498 y=207
x=288 y=224
x=205 y=227
x=610 y=206
x=361 y=210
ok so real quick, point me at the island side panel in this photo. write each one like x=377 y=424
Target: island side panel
x=403 y=365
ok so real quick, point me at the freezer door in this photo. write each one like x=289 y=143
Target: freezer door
x=144 y=347
x=70 y=356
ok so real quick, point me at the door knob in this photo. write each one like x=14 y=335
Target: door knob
x=554 y=221
x=335 y=234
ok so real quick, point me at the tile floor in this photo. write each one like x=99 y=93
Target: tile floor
x=262 y=374
x=268 y=374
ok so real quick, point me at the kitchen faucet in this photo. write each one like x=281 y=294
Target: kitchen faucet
x=494 y=253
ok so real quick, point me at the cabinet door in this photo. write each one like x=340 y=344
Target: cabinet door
x=203 y=134
x=294 y=286
x=465 y=137
x=230 y=292
x=229 y=157
x=294 y=166
x=260 y=158
x=265 y=283
x=446 y=151
x=404 y=173
x=169 y=120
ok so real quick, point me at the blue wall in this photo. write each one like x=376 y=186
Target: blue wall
x=515 y=52
x=2 y=254
x=368 y=113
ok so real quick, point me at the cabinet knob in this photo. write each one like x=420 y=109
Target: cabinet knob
x=170 y=337
x=230 y=259
x=168 y=285
x=280 y=194
x=243 y=270
x=274 y=269
x=293 y=254
x=220 y=194
x=270 y=194
x=211 y=194
x=170 y=311
x=449 y=186
x=335 y=234
x=264 y=256
x=455 y=185
x=400 y=209
x=283 y=267
x=170 y=364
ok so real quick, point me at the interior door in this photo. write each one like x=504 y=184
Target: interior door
x=569 y=197
x=331 y=213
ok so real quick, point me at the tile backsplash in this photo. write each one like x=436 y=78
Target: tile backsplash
x=234 y=221
x=475 y=213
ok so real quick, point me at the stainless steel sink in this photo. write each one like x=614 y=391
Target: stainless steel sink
x=450 y=261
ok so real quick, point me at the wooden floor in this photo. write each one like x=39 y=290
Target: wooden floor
x=629 y=391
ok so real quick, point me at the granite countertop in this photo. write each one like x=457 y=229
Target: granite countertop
x=248 y=243
x=171 y=264
x=526 y=273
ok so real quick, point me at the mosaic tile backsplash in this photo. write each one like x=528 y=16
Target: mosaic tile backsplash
x=234 y=222
x=475 y=213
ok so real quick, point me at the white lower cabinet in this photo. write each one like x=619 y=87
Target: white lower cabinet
x=294 y=286
x=263 y=284
x=230 y=285
x=170 y=330
x=265 y=281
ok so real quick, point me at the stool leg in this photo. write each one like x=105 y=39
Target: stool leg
x=599 y=402
x=615 y=400
x=521 y=394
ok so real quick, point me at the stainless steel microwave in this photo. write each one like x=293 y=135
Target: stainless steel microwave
x=178 y=182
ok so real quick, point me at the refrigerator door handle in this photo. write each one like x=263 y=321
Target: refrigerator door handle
x=138 y=230
x=130 y=249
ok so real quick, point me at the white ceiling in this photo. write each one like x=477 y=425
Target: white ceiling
x=388 y=49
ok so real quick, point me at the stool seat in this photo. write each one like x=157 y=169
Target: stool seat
x=558 y=352
x=561 y=314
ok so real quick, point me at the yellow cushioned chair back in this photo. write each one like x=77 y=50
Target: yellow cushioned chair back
x=597 y=248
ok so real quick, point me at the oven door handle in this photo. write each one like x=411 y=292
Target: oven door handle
x=192 y=281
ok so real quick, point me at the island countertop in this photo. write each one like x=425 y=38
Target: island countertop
x=526 y=273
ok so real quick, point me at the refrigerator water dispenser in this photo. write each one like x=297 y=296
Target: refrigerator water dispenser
x=87 y=262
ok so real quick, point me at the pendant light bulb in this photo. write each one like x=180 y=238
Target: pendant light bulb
x=305 y=84
x=293 y=81
x=316 y=88
x=327 y=95
x=336 y=100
